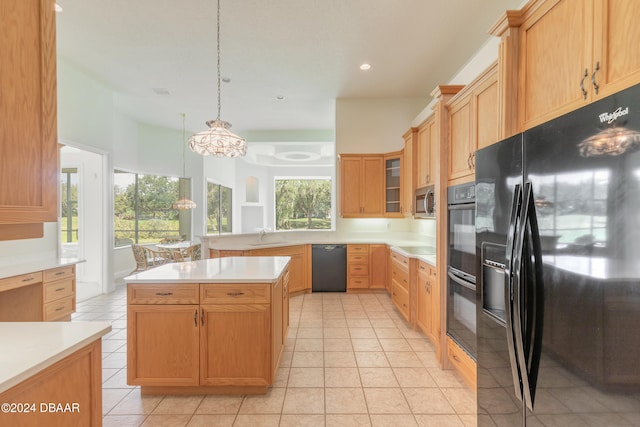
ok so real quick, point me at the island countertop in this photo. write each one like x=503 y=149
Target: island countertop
x=30 y=347
x=259 y=269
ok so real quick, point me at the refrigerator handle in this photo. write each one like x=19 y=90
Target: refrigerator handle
x=534 y=302
x=519 y=298
x=508 y=296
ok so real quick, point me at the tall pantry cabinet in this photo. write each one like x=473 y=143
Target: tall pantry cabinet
x=28 y=121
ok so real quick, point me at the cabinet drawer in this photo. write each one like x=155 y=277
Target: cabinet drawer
x=462 y=362
x=59 y=273
x=358 y=270
x=58 y=309
x=357 y=258
x=230 y=293
x=403 y=260
x=19 y=281
x=185 y=293
x=400 y=298
x=358 y=282
x=357 y=249
x=59 y=289
x=399 y=275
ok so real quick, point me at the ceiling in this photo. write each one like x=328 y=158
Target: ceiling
x=159 y=56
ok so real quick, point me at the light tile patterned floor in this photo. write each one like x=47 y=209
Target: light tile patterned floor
x=349 y=360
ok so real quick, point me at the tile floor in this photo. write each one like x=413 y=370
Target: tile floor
x=349 y=360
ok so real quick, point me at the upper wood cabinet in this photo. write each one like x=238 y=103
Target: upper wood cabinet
x=409 y=166
x=426 y=153
x=473 y=124
x=362 y=185
x=393 y=185
x=559 y=55
x=28 y=134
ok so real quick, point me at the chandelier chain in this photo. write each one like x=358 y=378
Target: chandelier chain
x=218 y=50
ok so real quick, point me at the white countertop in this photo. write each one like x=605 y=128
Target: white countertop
x=30 y=347
x=36 y=265
x=259 y=269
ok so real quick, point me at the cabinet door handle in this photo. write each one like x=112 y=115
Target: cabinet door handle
x=473 y=160
x=202 y=317
x=59 y=308
x=593 y=77
x=584 y=76
x=427 y=178
x=455 y=358
x=59 y=273
x=59 y=289
x=235 y=294
x=195 y=318
x=28 y=279
x=469 y=161
x=164 y=294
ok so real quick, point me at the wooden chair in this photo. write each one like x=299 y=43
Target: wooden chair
x=192 y=253
x=147 y=258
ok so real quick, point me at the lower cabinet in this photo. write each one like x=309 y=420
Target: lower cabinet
x=401 y=284
x=366 y=266
x=197 y=338
x=68 y=393
x=462 y=363
x=428 y=307
x=299 y=266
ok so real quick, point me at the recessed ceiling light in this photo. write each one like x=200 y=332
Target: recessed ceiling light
x=226 y=79
x=365 y=67
x=280 y=97
x=58 y=8
x=161 y=91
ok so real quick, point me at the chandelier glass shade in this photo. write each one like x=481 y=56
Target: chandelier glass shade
x=218 y=140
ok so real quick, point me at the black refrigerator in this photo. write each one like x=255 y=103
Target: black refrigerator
x=558 y=271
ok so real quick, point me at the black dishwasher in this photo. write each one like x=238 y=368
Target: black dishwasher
x=329 y=268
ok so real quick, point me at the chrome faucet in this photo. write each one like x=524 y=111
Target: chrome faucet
x=263 y=233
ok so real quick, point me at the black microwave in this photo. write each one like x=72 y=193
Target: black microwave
x=425 y=202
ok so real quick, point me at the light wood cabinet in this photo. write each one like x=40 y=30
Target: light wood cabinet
x=401 y=284
x=299 y=266
x=462 y=363
x=217 y=253
x=75 y=380
x=28 y=136
x=473 y=124
x=366 y=266
x=426 y=153
x=163 y=344
x=362 y=185
x=410 y=159
x=559 y=55
x=59 y=293
x=190 y=338
x=393 y=182
x=378 y=258
x=428 y=307
x=236 y=344
x=43 y=295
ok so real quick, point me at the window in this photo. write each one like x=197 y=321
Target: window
x=303 y=203
x=69 y=205
x=143 y=208
x=219 y=209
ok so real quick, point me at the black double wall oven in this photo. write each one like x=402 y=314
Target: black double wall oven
x=461 y=266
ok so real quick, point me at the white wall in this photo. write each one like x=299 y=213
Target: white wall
x=374 y=125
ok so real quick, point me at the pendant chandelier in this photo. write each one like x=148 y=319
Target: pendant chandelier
x=184 y=202
x=218 y=140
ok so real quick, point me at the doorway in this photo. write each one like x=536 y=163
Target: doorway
x=82 y=217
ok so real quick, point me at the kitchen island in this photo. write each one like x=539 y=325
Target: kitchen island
x=50 y=373
x=213 y=326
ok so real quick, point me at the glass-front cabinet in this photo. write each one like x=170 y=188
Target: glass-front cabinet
x=393 y=184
